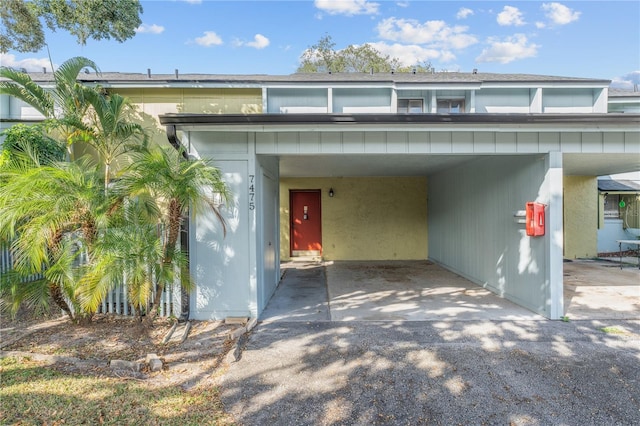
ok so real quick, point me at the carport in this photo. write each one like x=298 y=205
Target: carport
x=479 y=171
x=417 y=290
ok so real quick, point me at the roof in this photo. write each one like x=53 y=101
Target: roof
x=618 y=185
x=623 y=93
x=390 y=78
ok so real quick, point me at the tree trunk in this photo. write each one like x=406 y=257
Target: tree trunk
x=173 y=231
x=58 y=298
x=157 y=299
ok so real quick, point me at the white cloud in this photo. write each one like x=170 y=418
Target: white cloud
x=411 y=54
x=192 y=1
x=508 y=50
x=402 y=3
x=463 y=13
x=510 y=16
x=30 y=64
x=431 y=33
x=627 y=81
x=347 y=7
x=540 y=25
x=150 y=29
x=259 y=42
x=560 y=14
x=209 y=38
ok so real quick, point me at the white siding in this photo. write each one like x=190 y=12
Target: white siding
x=502 y=101
x=223 y=267
x=296 y=100
x=345 y=100
x=568 y=100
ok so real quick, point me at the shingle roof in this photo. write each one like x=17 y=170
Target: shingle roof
x=623 y=93
x=618 y=185
x=438 y=77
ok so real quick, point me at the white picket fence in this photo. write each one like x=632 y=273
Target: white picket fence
x=116 y=301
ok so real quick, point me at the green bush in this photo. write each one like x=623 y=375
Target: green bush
x=21 y=137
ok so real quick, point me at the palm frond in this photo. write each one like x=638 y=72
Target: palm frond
x=68 y=72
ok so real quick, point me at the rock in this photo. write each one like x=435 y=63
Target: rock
x=155 y=364
x=120 y=364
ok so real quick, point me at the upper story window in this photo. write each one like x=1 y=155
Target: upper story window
x=410 y=106
x=450 y=106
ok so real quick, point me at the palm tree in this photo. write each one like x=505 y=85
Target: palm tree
x=65 y=103
x=180 y=187
x=109 y=130
x=49 y=214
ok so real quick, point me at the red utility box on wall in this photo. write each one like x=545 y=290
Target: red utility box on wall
x=535 y=219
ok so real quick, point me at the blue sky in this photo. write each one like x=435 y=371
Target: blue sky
x=596 y=39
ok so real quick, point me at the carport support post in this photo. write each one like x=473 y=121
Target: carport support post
x=555 y=235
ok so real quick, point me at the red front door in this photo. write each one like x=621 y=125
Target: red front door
x=306 y=230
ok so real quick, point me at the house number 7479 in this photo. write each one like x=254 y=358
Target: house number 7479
x=252 y=192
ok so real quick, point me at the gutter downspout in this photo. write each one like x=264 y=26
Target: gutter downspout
x=172 y=135
x=185 y=296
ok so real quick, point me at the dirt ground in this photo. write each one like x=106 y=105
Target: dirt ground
x=89 y=349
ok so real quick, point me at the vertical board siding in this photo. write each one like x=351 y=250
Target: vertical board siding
x=282 y=98
x=502 y=100
x=472 y=228
x=368 y=97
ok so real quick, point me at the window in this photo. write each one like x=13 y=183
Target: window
x=611 y=206
x=410 y=106
x=450 y=106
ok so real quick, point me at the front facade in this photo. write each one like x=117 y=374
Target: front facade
x=392 y=166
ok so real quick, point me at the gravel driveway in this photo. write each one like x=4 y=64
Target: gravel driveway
x=437 y=372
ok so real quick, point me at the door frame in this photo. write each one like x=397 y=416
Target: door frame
x=291 y=192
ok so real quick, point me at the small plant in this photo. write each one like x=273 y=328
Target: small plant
x=613 y=330
x=564 y=318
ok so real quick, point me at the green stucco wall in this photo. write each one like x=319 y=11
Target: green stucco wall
x=369 y=218
x=580 y=216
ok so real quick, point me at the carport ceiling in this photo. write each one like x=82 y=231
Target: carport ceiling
x=596 y=164
x=368 y=165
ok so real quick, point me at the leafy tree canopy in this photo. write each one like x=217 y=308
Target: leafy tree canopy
x=22 y=21
x=323 y=57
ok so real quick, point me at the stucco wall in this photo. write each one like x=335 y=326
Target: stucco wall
x=580 y=216
x=369 y=218
x=152 y=102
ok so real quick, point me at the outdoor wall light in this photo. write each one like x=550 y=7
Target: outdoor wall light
x=330 y=192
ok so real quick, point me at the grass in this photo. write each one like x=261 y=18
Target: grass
x=614 y=330
x=32 y=394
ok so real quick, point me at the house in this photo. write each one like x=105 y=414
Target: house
x=619 y=214
x=438 y=166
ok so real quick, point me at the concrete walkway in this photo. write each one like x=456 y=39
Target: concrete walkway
x=600 y=289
